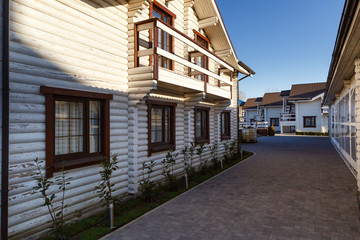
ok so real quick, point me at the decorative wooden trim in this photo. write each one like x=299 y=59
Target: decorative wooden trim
x=162 y=147
x=155 y=4
x=161 y=7
x=314 y=117
x=50 y=134
x=221 y=61
x=74 y=93
x=136 y=45
x=198 y=35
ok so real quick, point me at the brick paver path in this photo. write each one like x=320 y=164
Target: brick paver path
x=293 y=188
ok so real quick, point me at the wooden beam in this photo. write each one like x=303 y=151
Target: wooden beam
x=208 y=22
x=347 y=83
x=192 y=44
x=182 y=61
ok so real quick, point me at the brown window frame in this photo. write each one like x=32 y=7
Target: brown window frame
x=278 y=122
x=228 y=125
x=75 y=160
x=311 y=117
x=158 y=6
x=206 y=139
x=159 y=147
x=204 y=59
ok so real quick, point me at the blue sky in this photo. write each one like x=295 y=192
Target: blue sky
x=284 y=41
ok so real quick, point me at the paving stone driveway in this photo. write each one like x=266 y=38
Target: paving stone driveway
x=293 y=188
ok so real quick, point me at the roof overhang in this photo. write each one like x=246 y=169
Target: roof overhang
x=208 y=12
x=345 y=52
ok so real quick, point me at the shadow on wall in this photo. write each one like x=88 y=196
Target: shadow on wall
x=54 y=56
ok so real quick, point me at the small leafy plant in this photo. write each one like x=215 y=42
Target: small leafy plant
x=168 y=169
x=203 y=162
x=190 y=168
x=214 y=155
x=226 y=152
x=43 y=186
x=105 y=188
x=147 y=186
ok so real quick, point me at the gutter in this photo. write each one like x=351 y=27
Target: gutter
x=238 y=105
x=5 y=122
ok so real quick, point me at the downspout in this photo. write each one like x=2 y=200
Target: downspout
x=238 y=106
x=5 y=122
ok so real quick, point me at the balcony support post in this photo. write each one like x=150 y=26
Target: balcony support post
x=156 y=57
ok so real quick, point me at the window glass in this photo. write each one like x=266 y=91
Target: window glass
x=156 y=124
x=353 y=105
x=95 y=129
x=201 y=125
x=69 y=125
x=225 y=124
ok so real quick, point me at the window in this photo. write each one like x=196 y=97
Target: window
x=309 y=122
x=202 y=61
x=77 y=128
x=201 y=125
x=161 y=126
x=274 y=122
x=225 y=125
x=165 y=41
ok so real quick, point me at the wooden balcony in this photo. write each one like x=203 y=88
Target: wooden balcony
x=158 y=65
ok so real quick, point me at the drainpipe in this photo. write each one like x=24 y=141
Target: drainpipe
x=5 y=122
x=238 y=106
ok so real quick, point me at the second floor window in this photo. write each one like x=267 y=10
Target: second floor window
x=202 y=61
x=165 y=41
x=201 y=125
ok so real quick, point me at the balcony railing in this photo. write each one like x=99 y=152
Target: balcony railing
x=150 y=50
x=287 y=117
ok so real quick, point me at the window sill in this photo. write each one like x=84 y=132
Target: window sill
x=77 y=163
x=161 y=148
x=201 y=141
x=225 y=138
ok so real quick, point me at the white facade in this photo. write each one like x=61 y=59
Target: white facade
x=273 y=112
x=89 y=46
x=310 y=109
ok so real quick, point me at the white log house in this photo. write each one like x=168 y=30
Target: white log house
x=289 y=111
x=343 y=88
x=129 y=78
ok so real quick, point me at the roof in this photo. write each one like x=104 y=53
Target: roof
x=285 y=93
x=346 y=50
x=258 y=100
x=242 y=104
x=272 y=99
x=306 y=91
x=250 y=104
x=218 y=34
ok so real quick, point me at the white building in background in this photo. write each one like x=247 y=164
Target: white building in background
x=295 y=110
x=343 y=88
x=305 y=113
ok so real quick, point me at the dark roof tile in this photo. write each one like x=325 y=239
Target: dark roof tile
x=306 y=91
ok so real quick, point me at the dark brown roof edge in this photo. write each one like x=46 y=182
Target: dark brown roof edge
x=345 y=23
x=246 y=67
